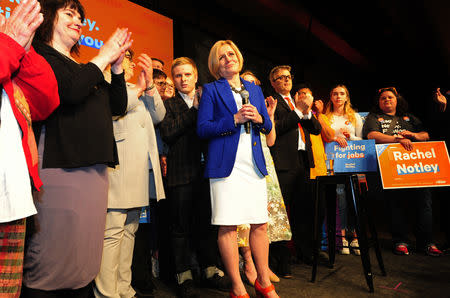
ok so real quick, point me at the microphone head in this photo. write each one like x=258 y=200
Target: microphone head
x=244 y=93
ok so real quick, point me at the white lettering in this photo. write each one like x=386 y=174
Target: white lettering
x=401 y=169
x=397 y=155
x=435 y=168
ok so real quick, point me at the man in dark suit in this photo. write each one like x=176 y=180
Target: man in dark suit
x=293 y=158
x=189 y=202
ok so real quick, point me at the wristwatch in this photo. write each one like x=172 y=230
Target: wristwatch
x=149 y=88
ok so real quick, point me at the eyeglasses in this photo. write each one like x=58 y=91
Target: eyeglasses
x=392 y=89
x=161 y=84
x=283 y=77
x=129 y=56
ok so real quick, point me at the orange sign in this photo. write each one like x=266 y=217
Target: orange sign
x=427 y=165
x=152 y=32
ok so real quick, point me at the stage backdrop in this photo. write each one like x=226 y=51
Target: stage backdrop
x=152 y=32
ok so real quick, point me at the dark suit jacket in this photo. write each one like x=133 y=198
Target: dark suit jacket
x=178 y=130
x=285 y=150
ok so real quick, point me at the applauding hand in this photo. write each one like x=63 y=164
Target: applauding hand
x=22 y=23
x=113 y=51
x=145 y=79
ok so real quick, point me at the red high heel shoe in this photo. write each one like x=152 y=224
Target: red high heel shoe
x=262 y=292
x=246 y=295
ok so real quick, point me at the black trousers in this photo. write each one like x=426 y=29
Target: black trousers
x=419 y=200
x=84 y=292
x=296 y=188
x=190 y=229
x=142 y=257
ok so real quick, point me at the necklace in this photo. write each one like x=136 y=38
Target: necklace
x=235 y=90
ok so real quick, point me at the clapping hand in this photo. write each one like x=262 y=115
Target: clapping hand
x=197 y=96
x=303 y=102
x=145 y=79
x=318 y=106
x=440 y=99
x=271 y=104
x=23 y=22
x=113 y=51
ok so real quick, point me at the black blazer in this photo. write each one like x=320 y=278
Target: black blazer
x=285 y=149
x=79 y=133
x=178 y=130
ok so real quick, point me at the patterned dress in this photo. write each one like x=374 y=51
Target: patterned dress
x=278 y=228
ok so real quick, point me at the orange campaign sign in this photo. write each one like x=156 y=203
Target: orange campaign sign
x=152 y=33
x=427 y=165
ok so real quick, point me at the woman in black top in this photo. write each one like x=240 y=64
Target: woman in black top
x=76 y=146
x=389 y=122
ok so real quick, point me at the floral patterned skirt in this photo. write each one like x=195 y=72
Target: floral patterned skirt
x=278 y=228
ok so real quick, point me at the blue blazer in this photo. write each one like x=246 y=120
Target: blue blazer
x=216 y=123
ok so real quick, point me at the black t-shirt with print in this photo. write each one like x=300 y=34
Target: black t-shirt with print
x=381 y=123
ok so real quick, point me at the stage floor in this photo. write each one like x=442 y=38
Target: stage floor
x=415 y=275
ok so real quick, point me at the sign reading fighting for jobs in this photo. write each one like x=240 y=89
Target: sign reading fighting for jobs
x=358 y=156
x=427 y=165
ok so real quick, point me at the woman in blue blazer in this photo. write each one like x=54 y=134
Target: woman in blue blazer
x=235 y=162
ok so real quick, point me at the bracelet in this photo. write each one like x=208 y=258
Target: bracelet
x=149 y=88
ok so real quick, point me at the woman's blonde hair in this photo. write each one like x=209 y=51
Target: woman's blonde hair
x=349 y=112
x=213 y=59
x=249 y=73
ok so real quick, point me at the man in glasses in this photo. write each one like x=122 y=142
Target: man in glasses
x=293 y=158
x=159 y=78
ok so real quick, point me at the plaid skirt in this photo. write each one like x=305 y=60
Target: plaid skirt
x=12 y=239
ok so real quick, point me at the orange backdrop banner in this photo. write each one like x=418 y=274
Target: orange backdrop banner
x=427 y=165
x=152 y=32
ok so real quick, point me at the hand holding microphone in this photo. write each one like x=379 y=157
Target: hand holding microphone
x=245 y=95
x=247 y=113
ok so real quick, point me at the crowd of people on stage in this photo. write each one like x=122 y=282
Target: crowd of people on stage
x=224 y=172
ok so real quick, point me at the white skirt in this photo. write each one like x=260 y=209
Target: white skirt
x=240 y=198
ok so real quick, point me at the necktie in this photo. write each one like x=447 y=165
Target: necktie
x=299 y=125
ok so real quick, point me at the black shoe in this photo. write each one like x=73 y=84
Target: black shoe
x=186 y=289
x=284 y=268
x=218 y=282
x=144 y=290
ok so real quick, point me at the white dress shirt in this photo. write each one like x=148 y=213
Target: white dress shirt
x=16 y=201
x=189 y=101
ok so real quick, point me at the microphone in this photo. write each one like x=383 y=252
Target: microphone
x=245 y=95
